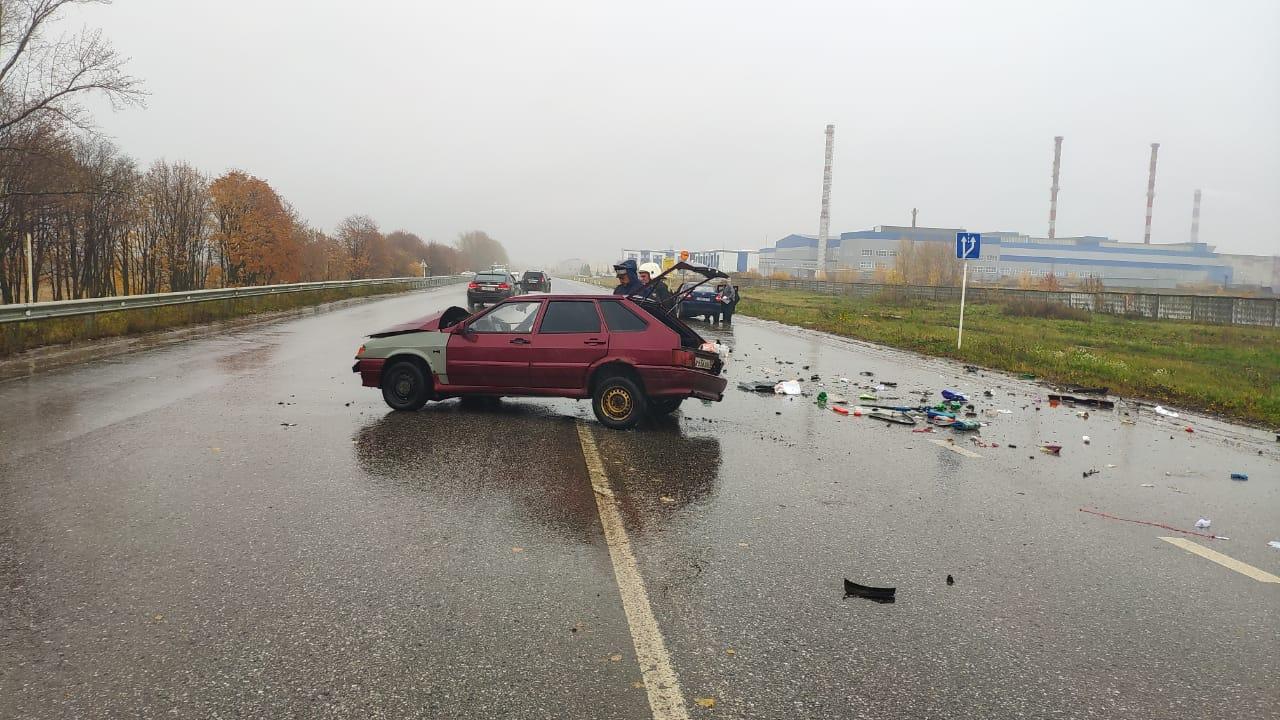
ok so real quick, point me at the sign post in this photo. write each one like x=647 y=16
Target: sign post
x=968 y=247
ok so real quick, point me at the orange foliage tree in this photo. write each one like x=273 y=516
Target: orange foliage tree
x=253 y=232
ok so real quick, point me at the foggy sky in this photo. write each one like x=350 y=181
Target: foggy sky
x=573 y=129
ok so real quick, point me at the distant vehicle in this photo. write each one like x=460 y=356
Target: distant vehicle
x=629 y=355
x=489 y=288
x=535 y=281
x=706 y=302
x=467 y=273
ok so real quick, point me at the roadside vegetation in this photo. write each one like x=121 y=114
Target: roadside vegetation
x=1225 y=370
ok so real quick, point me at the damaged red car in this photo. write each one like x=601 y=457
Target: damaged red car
x=629 y=355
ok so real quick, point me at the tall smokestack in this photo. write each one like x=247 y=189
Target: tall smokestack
x=1195 y=218
x=1151 y=191
x=1053 y=189
x=824 y=220
x=913 y=217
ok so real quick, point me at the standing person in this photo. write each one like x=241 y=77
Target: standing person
x=729 y=298
x=628 y=282
x=659 y=291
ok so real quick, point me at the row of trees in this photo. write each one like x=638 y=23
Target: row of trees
x=100 y=225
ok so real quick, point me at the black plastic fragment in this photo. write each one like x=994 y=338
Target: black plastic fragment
x=875 y=594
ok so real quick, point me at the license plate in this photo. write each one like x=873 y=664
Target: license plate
x=703 y=363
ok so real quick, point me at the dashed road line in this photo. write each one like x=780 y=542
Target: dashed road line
x=1227 y=562
x=666 y=700
x=955 y=448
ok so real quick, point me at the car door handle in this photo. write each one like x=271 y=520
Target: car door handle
x=593 y=341
x=519 y=341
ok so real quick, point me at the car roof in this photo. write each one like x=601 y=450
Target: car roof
x=564 y=296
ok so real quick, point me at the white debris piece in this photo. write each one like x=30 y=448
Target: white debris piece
x=1166 y=413
x=787 y=387
x=1202 y=523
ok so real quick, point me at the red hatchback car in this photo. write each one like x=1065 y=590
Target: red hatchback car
x=629 y=355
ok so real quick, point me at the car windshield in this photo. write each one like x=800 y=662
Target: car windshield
x=491 y=278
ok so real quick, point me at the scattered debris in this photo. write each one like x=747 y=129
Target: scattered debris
x=1085 y=439
x=892 y=416
x=952 y=396
x=924 y=429
x=886 y=383
x=867 y=396
x=289 y=425
x=1083 y=414
x=951 y=580
x=1163 y=526
x=1275 y=544
x=1088 y=390
x=814 y=378
x=1091 y=471
x=840 y=410
x=1239 y=476
x=1203 y=523
x=972 y=369
x=1073 y=400
x=787 y=387
x=866 y=373
x=877 y=594
x=1166 y=413
x=760 y=386
x=706 y=702
x=1051 y=449
x=1189 y=429
x=1147 y=485
x=987 y=393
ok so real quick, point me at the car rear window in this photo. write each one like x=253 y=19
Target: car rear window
x=533 y=276
x=490 y=278
x=619 y=318
x=570 y=316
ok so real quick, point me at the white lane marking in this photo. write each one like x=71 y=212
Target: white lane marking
x=666 y=700
x=1227 y=562
x=955 y=448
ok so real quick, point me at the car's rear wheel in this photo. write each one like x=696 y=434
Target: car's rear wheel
x=664 y=406
x=405 y=386
x=618 y=402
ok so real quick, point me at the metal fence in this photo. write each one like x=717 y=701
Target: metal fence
x=1219 y=310
x=67 y=308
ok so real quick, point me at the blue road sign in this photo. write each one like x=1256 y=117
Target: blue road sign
x=968 y=245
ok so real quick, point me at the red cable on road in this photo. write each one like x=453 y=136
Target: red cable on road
x=1144 y=522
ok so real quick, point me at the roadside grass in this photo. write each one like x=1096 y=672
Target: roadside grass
x=1224 y=370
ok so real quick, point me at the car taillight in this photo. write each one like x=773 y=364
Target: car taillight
x=503 y=286
x=472 y=286
x=360 y=352
x=683 y=358
x=717 y=298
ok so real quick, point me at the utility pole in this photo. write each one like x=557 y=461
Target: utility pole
x=913 y=216
x=31 y=283
x=1195 y=218
x=824 y=219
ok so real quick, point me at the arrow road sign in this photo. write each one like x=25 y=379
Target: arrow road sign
x=968 y=245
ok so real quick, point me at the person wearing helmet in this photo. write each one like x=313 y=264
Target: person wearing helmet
x=659 y=291
x=628 y=283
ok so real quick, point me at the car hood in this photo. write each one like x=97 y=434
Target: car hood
x=430 y=323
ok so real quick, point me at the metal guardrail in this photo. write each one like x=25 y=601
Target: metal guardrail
x=1219 y=310
x=66 y=308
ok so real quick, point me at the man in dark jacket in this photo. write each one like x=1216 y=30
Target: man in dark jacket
x=628 y=281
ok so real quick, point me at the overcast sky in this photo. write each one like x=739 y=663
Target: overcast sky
x=574 y=129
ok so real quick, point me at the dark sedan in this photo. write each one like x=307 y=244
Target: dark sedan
x=490 y=287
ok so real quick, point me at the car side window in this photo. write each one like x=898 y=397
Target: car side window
x=515 y=317
x=619 y=318
x=570 y=316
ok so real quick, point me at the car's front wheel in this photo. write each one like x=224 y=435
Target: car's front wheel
x=405 y=386
x=618 y=402
x=664 y=406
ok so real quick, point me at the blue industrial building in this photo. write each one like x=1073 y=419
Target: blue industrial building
x=1011 y=254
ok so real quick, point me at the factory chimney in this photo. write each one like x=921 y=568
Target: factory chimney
x=1151 y=192
x=824 y=220
x=1195 y=218
x=1053 y=189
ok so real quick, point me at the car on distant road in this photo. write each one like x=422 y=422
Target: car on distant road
x=699 y=301
x=535 y=281
x=629 y=355
x=487 y=288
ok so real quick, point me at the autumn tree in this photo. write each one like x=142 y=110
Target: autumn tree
x=173 y=231
x=442 y=259
x=252 y=232
x=406 y=253
x=360 y=240
x=478 y=251
x=927 y=263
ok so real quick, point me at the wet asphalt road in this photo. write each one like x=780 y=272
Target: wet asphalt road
x=169 y=548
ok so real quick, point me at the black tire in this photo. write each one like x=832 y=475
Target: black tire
x=664 y=406
x=618 y=402
x=405 y=386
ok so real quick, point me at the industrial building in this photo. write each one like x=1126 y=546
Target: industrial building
x=730 y=261
x=1015 y=255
